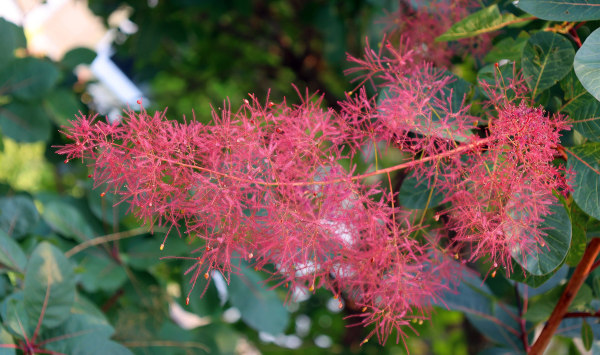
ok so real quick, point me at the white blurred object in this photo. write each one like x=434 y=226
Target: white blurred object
x=107 y=72
x=54 y=27
x=185 y=319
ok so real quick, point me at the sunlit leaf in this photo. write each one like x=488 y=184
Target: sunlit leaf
x=49 y=290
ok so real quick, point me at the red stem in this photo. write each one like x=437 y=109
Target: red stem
x=581 y=272
x=582 y=314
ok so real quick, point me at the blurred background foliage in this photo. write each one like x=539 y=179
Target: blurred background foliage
x=186 y=55
x=191 y=54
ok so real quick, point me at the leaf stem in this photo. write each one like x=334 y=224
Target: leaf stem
x=581 y=272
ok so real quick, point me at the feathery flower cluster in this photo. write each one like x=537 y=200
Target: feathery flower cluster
x=266 y=184
x=424 y=20
x=504 y=190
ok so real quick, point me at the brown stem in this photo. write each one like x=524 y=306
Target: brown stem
x=581 y=272
x=522 y=320
x=582 y=314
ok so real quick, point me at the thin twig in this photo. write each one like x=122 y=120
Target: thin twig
x=333 y=181
x=105 y=239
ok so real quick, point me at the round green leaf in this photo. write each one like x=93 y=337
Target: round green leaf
x=587 y=64
x=260 y=307
x=28 y=78
x=583 y=109
x=18 y=215
x=557 y=226
x=415 y=195
x=547 y=58
x=586 y=164
x=536 y=282
x=77 y=56
x=77 y=329
x=562 y=10
x=49 y=286
x=62 y=106
x=508 y=48
x=11 y=255
x=67 y=220
x=101 y=273
x=584 y=113
x=25 y=122
x=12 y=38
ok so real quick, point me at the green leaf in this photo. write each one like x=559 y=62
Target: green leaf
x=543 y=305
x=76 y=330
x=101 y=273
x=7 y=340
x=77 y=56
x=532 y=289
x=454 y=94
x=414 y=194
x=12 y=38
x=14 y=316
x=49 y=286
x=485 y=20
x=25 y=122
x=28 y=78
x=67 y=220
x=585 y=161
x=100 y=346
x=143 y=253
x=437 y=123
x=587 y=335
x=547 y=58
x=491 y=318
x=584 y=113
x=562 y=10
x=579 y=241
x=583 y=109
x=109 y=208
x=537 y=282
x=11 y=255
x=587 y=64
x=572 y=87
x=505 y=72
x=18 y=215
x=62 y=106
x=557 y=226
x=508 y=48
x=260 y=307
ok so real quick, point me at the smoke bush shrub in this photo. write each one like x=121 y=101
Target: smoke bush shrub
x=278 y=185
